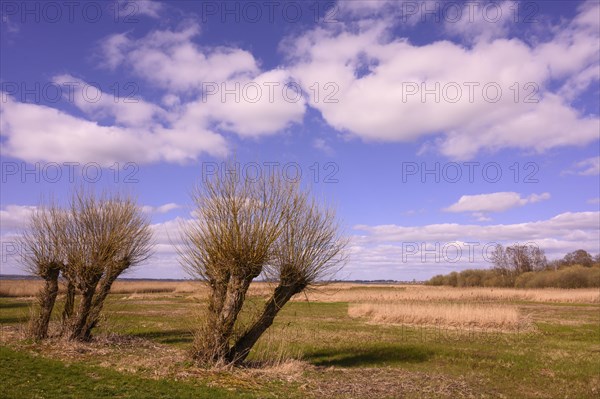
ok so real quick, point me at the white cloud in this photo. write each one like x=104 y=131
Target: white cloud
x=494 y=202
x=587 y=167
x=376 y=72
x=15 y=217
x=393 y=250
x=565 y=225
x=229 y=90
x=93 y=102
x=594 y=200
x=479 y=21
x=160 y=209
x=171 y=60
x=263 y=105
x=179 y=132
x=322 y=145
x=38 y=133
x=190 y=122
x=149 y=8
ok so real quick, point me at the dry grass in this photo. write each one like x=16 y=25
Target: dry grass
x=29 y=288
x=20 y=288
x=410 y=293
x=342 y=292
x=488 y=317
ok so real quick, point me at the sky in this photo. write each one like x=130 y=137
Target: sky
x=436 y=129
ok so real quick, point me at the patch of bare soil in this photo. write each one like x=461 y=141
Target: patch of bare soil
x=388 y=383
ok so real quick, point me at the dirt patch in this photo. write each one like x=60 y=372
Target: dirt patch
x=388 y=383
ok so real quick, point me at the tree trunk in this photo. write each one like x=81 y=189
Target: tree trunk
x=217 y=296
x=238 y=353
x=77 y=325
x=47 y=298
x=96 y=308
x=214 y=346
x=69 y=303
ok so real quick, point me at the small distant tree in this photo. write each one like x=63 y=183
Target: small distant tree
x=517 y=259
x=244 y=228
x=44 y=257
x=579 y=257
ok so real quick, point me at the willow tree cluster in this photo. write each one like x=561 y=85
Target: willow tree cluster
x=246 y=228
x=87 y=244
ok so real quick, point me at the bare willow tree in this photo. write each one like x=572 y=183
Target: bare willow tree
x=309 y=251
x=104 y=236
x=239 y=225
x=90 y=243
x=43 y=256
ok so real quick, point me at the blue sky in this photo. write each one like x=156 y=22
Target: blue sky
x=436 y=128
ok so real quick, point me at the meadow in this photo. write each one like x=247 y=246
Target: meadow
x=337 y=341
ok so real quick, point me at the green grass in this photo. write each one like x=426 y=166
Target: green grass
x=27 y=376
x=560 y=359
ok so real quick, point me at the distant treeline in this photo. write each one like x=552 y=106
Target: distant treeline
x=526 y=267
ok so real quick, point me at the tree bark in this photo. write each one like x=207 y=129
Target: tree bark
x=77 y=325
x=214 y=346
x=239 y=352
x=47 y=300
x=96 y=307
x=69 y=303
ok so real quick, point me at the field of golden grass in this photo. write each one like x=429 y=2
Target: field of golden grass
x=353 y=293
x=28 y=288
x=343 y=292
x=457 y=315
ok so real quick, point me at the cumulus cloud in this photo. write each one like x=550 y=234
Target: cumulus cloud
x=161 y=209
x=97 y=104
x=15 y=217
x=494 y=202
x=323 y=146
x=39 y=133
x=567 y=226
x=171 y=60
x=395 y=250
x=586 y=167
x=467 y=103
x=148 y=8
x=207 y=92
x=478 y=21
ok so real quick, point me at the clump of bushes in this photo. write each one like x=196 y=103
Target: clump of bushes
x=576 y=276
x=526 y=267
x=472 y=278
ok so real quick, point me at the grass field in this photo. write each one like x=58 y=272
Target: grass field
x=339 y=341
